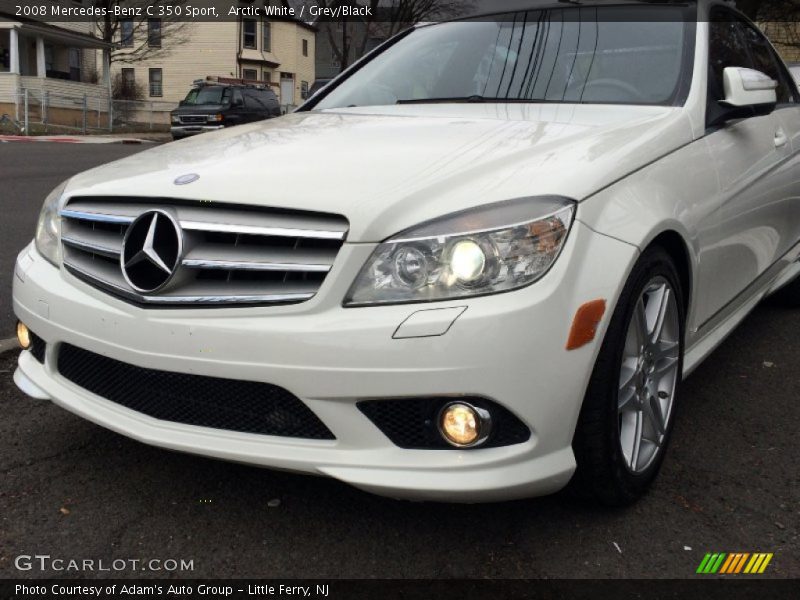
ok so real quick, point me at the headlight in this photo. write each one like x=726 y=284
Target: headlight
x=214 y=118
x=48 y=229
x=176 y=119
x=493 y=248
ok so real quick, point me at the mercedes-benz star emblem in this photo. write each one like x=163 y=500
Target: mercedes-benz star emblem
x=188 y=178
x=151 y=251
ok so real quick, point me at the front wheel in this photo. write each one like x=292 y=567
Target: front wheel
x=627 y=414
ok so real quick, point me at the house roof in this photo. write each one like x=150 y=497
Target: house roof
x=47 y=29
x=296 y=21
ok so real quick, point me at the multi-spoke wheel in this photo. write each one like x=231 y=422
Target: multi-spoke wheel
x=629 y=408
x=648 y=374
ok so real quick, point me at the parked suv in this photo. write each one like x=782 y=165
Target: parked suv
x=476 y=266
x=213 y=105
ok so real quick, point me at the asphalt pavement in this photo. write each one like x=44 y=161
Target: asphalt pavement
x=70 y=489
x=28 y=172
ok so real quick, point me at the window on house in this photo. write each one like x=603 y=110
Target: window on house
x=126 y=33
x=305 y=47
x=250 y=74
x=156 y=83
x=267 y=76
x=304 y=89
x=128 y=81
x=154 y=33
x=249 y=33
x=49 y=58
x=267 y=41
x=75 y=64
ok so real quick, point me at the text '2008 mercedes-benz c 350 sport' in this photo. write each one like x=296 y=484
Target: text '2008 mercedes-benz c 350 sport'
x=495 y=248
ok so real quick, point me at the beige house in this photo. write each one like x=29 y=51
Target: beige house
x=54 y=66
x=279 y=52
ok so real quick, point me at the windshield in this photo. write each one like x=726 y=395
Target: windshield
x=631 y=55
x=207 y=95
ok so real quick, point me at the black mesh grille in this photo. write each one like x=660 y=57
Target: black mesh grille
x=411 y=422
x=38 y=347
x=193 y=399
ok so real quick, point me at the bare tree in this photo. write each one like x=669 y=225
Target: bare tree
x=349 y=37
x=143 y=40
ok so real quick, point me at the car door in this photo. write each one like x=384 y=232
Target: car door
x=751 y=157
x=273 y=104
x=254 y=100
x=238 y=112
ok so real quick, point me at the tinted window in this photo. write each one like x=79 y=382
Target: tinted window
x=208 y=95
x=255 y=100
x=589 y=55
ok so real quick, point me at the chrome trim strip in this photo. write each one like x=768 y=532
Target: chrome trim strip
x=253 y=265
x=271 y=298
x=255 y=230
x=243 y=299
x=89 y=247
x=99 y=217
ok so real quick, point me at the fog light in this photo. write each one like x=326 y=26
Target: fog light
x=464 y=425
x=23 y=335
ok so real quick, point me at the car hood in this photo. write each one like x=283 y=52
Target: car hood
x=389 y=168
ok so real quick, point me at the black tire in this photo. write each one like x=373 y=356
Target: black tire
x=789 y=295
x=602 y=474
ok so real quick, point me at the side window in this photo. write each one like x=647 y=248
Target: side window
x=237 y=97
x=765 y=61
x=253 y=101
x=726 y=49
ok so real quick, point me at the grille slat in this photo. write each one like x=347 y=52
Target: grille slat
x=219 y=217
x=93 y=241
x=229 y=404
x=217 y=256
x=232 y=254
x=107 y=276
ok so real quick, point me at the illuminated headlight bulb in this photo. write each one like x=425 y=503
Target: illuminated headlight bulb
x=467 y=261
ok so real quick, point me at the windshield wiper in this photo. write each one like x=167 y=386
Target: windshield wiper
x=477 y=99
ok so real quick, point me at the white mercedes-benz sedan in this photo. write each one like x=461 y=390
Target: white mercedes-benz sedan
x=476 y=266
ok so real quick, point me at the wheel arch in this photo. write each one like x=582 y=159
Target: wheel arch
x=677 y=248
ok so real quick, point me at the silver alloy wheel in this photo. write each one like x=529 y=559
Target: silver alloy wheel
x=648 y=375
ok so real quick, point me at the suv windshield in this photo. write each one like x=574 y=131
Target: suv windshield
x=631 y=55
x=208 y=95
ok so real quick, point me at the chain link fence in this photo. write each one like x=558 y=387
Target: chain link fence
x=31 y=112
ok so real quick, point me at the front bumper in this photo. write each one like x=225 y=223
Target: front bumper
x=508 y=347
x=180 y=131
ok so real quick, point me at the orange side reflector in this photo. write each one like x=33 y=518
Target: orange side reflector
x=584 y=325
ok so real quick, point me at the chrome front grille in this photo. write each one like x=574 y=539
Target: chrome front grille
x=231 y=254
x=193 y=119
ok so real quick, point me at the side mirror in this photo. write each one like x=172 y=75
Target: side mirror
x=748 y=93
x=748 y=87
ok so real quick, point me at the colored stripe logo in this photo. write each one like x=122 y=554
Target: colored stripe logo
x=734 y=563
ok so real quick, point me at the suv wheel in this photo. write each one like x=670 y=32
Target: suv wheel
x=627 y=414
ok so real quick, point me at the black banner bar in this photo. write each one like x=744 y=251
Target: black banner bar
x=712 y=588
